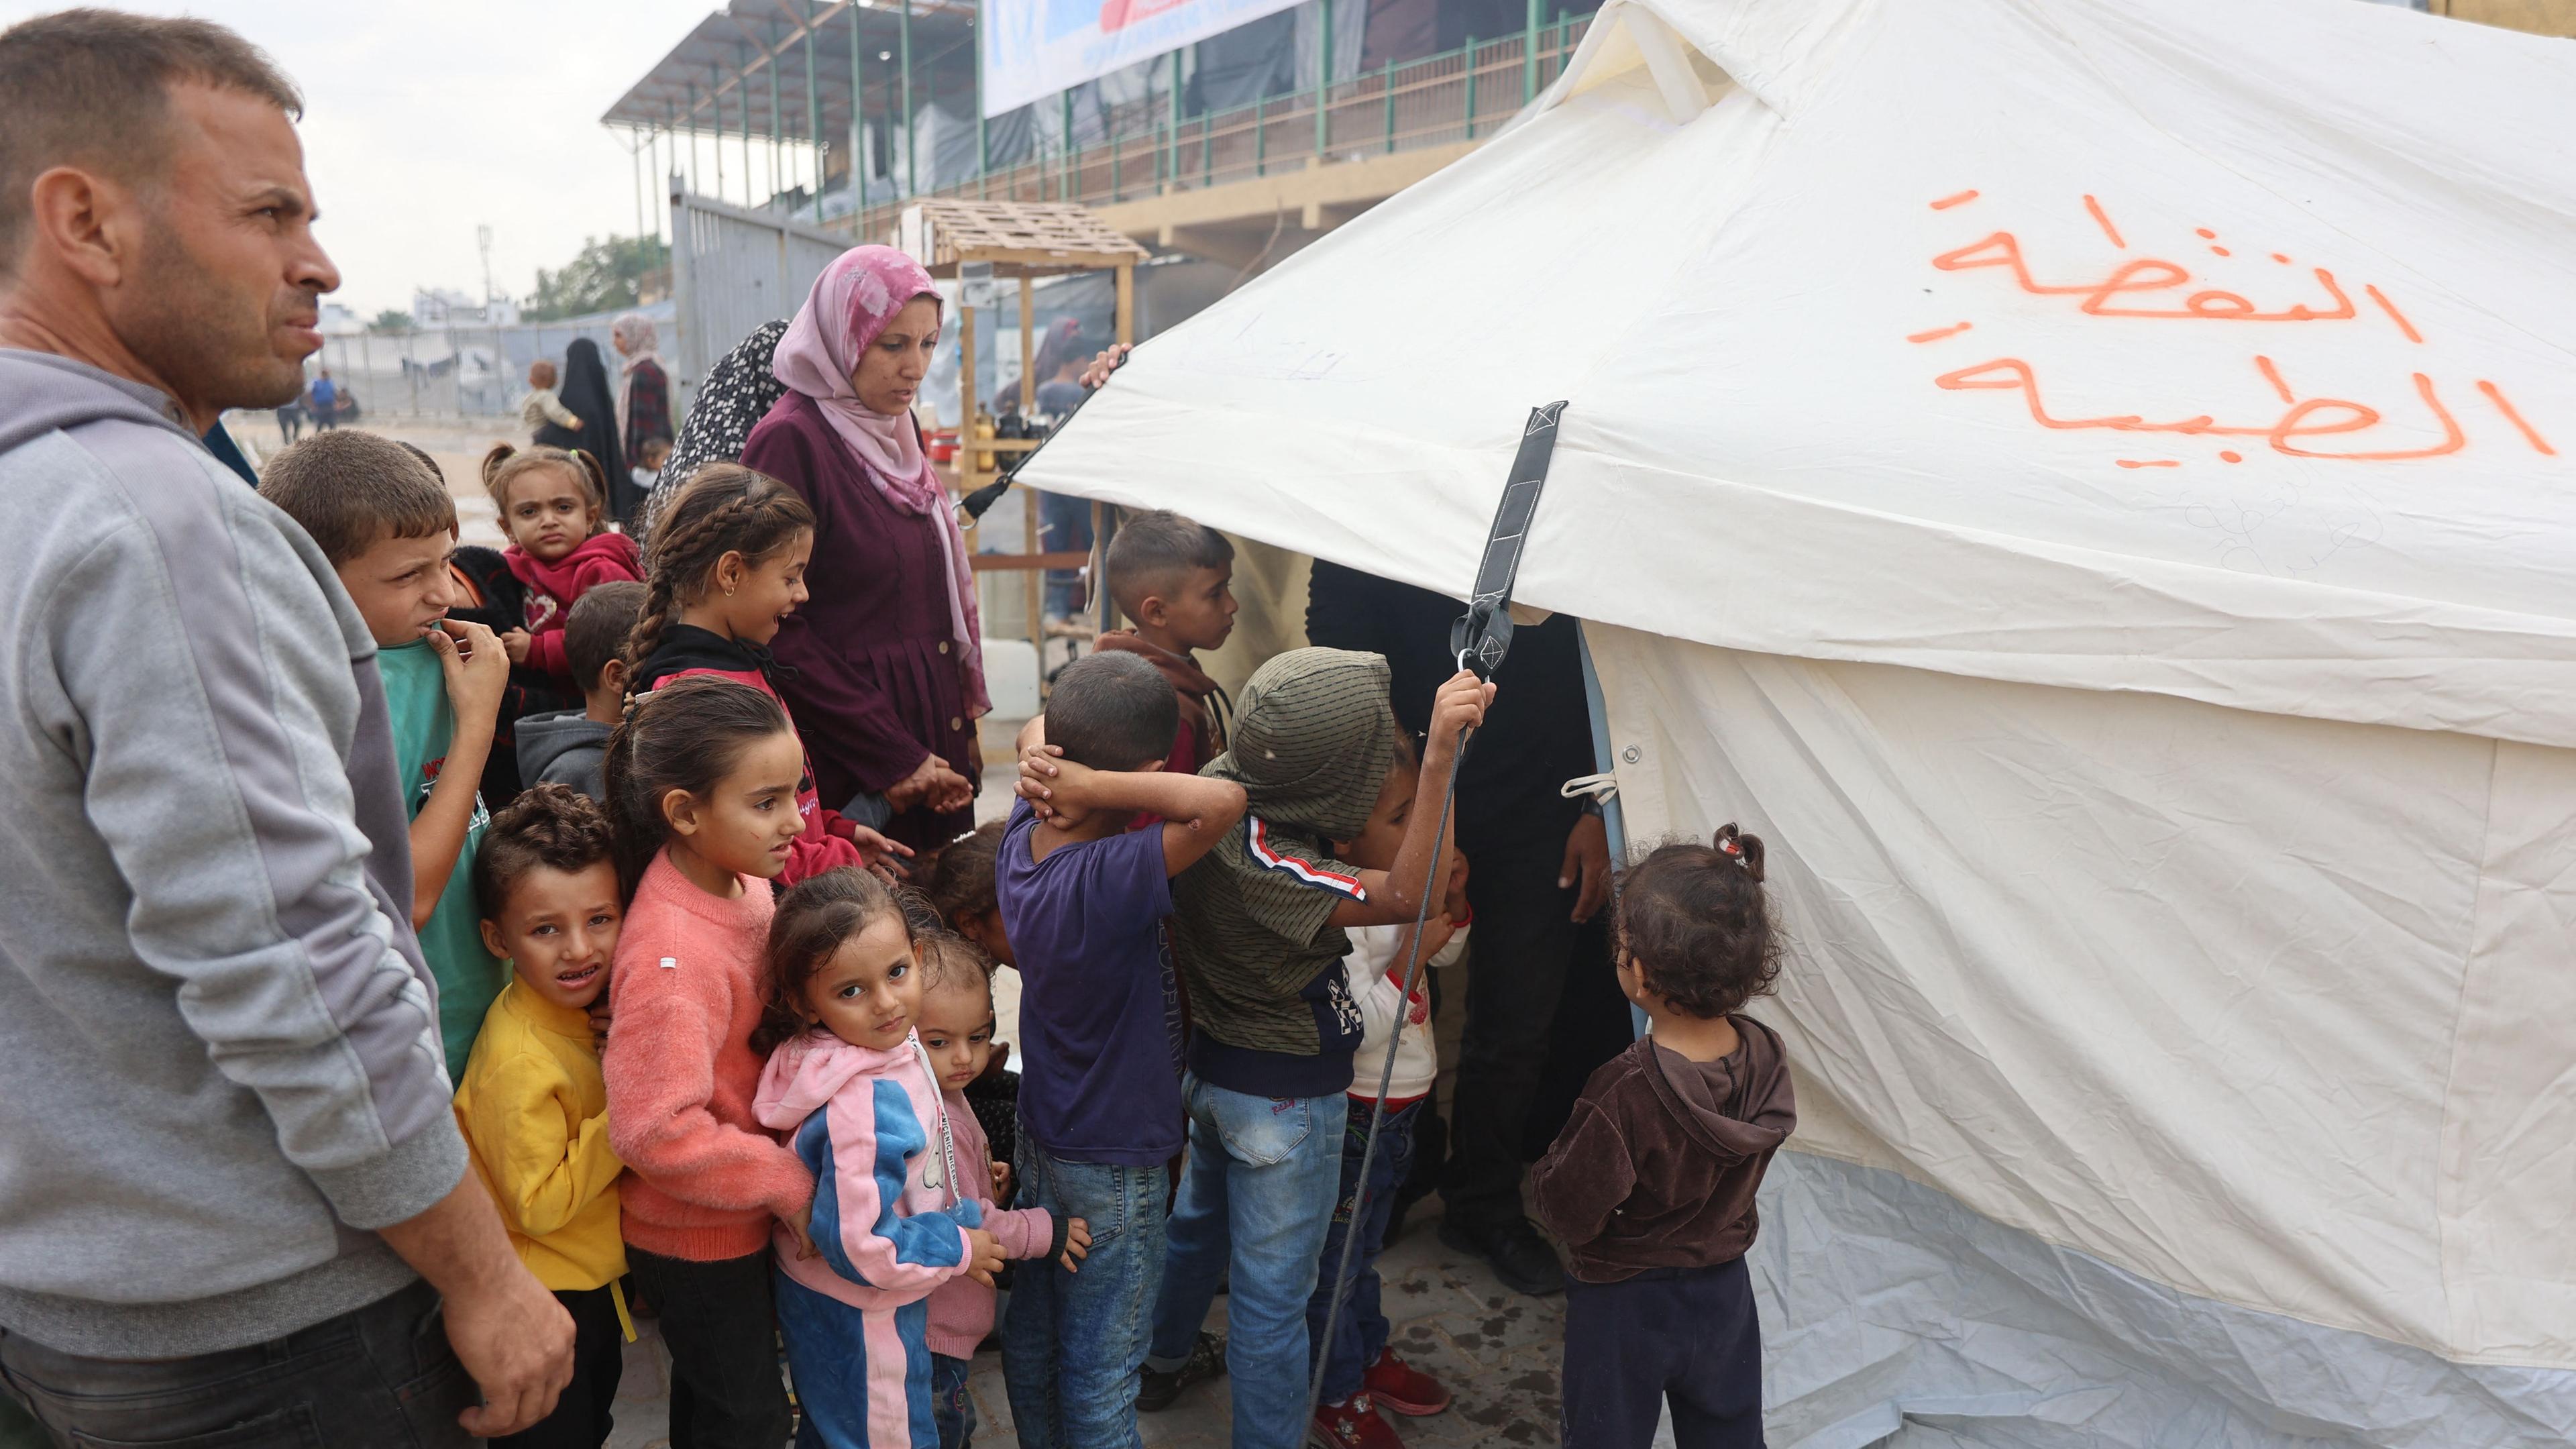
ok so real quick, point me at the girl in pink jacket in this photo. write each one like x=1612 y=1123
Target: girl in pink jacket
x=898 y=1211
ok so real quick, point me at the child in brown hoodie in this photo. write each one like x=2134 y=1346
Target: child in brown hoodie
x=1651 y=1183
x=1173 y=579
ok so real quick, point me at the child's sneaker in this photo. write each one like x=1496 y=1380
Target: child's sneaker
x=1402 y=1387
x=1155 y=1389
x=1351 y=1424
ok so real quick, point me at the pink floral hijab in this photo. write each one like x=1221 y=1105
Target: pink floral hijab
x=854 y=299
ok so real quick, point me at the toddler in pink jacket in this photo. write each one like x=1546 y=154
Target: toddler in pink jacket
x=901 y=1207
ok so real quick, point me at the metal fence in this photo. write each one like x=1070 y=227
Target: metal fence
x=461 y=371
x=732 y=270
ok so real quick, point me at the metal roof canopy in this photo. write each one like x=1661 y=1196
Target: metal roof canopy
x=759 y=44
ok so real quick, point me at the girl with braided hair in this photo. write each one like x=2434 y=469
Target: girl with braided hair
x=726 y=564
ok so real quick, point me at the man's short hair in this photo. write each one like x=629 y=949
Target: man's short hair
x=1112 y=712
x=353 y=490
x=597 y=627
x=1153 y=551
x=92 y=88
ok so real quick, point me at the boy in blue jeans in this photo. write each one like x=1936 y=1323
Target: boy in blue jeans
x=1083 y=900
x=1259 y=928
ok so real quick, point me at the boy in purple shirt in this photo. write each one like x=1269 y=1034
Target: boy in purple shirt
x=1083 y=900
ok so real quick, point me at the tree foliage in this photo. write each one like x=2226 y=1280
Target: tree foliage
x=606 y=275
x=392 y=319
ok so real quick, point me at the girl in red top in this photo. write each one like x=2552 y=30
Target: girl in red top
x=728 y=565
x=554 y=506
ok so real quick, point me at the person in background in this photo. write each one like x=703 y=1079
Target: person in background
x=888 y=655
x=1542 y=1008
x=1064 y=521
x=1650 y=1187
x=532 y=1103
x=570 y=747
x=554 y=506
x=956 y=1027
x=1174 y=580
x=735 y=395
x=644 y=389
x=1084 y=897
x=227 y=1141
x=290 y=421
x=1361 y=1372
x=542 y=407
x=387 y=526
x=587 y=394
x=650 y=455
x=961 y=889
x=322 y=400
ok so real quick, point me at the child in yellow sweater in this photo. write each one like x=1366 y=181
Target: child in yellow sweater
x=532 y=1102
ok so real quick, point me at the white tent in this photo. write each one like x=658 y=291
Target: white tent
x=2094 y=483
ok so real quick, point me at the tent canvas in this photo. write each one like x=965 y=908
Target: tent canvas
x=2089 y=481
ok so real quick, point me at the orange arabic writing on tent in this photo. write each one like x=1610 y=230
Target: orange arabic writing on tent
x=2315 y=418
x=2145 y=275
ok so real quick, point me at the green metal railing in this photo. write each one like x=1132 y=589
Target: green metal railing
x=1456 y=96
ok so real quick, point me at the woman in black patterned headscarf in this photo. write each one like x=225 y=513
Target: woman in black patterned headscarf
x=736 y=394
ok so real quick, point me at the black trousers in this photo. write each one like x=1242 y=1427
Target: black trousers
x=720 y=1321
x=378 y=1375
x=1687 y=1334
x=581 y=1416
x=1543 y=1010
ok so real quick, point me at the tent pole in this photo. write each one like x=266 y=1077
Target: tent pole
x=715 y=109
x=911 y=166
x=983 y=146
x=1323 y=76
x=813 y=112
x=1529 y=54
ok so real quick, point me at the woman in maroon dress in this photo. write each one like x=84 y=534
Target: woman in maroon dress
x=885 y=662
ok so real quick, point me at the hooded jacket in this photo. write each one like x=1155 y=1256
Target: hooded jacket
x=1202 y=736
x=891 y=1197
x=687 y=649
x=1658 y=1165
x=218 y=1044
x=553 y=588
x=567 y=747
x=1271 y=1007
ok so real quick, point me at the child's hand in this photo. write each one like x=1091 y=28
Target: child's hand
x=599 y=1017
x=1001 y=1182
x=1077 y=1245
x=983 y=1256
x=476 y=670
x=875 y=850
x=1037 y=772
x=1460 y=704
x=575 y=424
x=517 y=642
x=802 y=1227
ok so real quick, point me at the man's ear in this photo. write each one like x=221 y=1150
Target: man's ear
x=680 y=811
x=79 y=217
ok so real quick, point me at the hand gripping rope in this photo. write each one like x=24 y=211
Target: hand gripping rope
x=1480 y=639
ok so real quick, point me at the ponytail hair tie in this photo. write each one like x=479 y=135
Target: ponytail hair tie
x=1744 y=850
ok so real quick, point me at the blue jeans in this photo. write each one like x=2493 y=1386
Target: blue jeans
x=1258 y=1194
x=1072 y=1342
x=1361 y=1330
x=950 y=1405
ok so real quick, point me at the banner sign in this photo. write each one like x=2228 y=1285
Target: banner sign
x=1035 y=48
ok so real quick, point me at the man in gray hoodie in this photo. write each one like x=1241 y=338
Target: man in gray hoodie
x=227 y=1159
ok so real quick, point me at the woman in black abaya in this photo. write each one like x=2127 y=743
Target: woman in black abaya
x=586 y=393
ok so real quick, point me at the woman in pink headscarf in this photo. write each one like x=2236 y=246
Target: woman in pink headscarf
x=885 y=665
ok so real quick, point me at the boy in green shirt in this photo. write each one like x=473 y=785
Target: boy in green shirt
x=387 y=525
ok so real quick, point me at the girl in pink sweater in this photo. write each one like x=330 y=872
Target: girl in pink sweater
x=701 y=781
x=901 y=1204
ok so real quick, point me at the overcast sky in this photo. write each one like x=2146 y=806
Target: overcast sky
x=422 y=121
